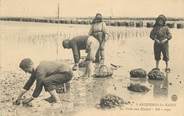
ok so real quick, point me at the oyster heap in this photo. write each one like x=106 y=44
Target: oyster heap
x=111 y=101
x=138 y=73
x=156 y=75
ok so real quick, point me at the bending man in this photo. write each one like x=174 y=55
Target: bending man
x=88 y=43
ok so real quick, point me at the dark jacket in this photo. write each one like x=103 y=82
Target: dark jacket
x=76 y=44
x=44 y=70
x=160 y=33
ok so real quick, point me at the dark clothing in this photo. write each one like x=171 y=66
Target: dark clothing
x=161 y=48
x=47 y=72
x=161 y=33
x=51 y=82
x=78 y=43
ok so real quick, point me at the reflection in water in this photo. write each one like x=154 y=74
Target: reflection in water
x=160 y=87
x=139 y=81
x=84 y=93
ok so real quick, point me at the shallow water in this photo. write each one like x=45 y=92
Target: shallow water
x=128 y=47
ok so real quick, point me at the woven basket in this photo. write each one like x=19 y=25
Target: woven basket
x=103 y=71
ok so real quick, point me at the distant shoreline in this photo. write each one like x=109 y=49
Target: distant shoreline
x=110 y=21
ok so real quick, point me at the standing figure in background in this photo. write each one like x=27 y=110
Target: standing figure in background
x=161 y=35
x=98 y=30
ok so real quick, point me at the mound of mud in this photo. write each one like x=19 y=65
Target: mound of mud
x=138 y=88
x=156 y=74
x=138 y=73
x=111 y=101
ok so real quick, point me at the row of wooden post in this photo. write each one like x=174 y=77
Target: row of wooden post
x=127 y=23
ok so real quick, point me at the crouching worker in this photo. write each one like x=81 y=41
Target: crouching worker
x=48 y=74
x=88 y=43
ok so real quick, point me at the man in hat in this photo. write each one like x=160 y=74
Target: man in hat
x=161 y=35
x=47 y=74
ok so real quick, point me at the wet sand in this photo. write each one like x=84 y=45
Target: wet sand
x=132 y=49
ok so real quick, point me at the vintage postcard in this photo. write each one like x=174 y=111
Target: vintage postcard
x=91 y=57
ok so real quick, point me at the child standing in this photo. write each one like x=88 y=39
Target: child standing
x=161 y=35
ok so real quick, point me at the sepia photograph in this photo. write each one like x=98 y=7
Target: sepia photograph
x=91 y=57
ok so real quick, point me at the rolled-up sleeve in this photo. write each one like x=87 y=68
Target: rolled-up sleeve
x=90 y=30
x=104 y=27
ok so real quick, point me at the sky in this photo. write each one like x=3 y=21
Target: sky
x=83 y=8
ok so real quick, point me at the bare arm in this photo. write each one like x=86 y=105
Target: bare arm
x=104 y=30
x=23 y=91
x=19 y=98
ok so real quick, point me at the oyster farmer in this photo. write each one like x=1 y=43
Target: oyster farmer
x=99 y=31
x=88 y=43
x=48 y=74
